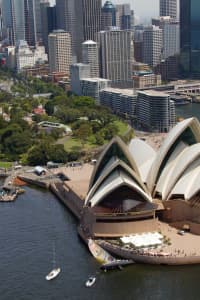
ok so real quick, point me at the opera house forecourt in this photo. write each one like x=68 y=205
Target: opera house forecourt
x=145 y=205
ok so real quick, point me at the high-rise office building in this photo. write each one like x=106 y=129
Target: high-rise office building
x=44 y=22
x=116 y=56
x=90 y=56
x=33 y=26
x=152 y=45
x=91 y=18
x=169 y=66
x=59 y=51
x=82 y=19
x=190 y=37
x=49 y=21
x=108 y=16
x=168 y=8
x=171 y=35
x=51 y=18
x=14 y=19
x=22 y=20
x=70 y=19
x=124 y=16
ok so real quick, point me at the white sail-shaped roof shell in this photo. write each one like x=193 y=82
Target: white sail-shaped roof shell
x=110 y=167
x=168 y=144
x=171 y=172
x=178 y=167
x=162 y=179
x=188 y=186
x=113 y=182
x=124 y=149
x=143 y=155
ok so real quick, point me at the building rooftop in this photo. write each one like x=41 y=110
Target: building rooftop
x=128 y=92
x=108 y=5
x=95 y=79
x=89 y=42
x=153 y=93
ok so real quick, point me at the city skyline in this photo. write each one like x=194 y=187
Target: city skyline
x=139 y=6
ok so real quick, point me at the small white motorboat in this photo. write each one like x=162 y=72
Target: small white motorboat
x=91 y=280
x=53 y=274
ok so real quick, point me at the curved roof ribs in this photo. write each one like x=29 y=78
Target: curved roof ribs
x=188 y=185
x=143 y=155
x=115 y=181
x=187 y=131
x=116 y=148
x=181 y=164
x=107 y=171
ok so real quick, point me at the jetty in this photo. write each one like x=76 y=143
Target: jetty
x=10 y=194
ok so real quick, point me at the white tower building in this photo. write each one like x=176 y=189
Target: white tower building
x=116 y=56
x=90 y=56
x=59 y=51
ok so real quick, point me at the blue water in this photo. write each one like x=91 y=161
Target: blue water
x=30 y=227
x=189 y=110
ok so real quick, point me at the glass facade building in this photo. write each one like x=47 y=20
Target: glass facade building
x=190 y=38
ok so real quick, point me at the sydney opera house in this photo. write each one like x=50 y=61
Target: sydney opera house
x=135 y=190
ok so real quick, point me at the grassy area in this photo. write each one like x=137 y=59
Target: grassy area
x=75 y=144
x=4 y=164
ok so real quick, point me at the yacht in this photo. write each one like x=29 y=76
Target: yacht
x=53 y=274
x=91 y=280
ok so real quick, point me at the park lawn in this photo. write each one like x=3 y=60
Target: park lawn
x=123 y=127
x=5 y=164
x=75 y=144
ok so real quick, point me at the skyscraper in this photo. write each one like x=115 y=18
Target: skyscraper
x=116 y=56
x=44 y=23
x=152 y=45
x=91 y=18
x=190 y=37
x=70 y=19
x=124 y=16
x=108 y=15
x=14 y=19
x=90 y=56
x=33 y=27
x=49 y=21
x=169 y=66
x=59 y=51
x=22 y=20
x=171 y=35
x=168 y=8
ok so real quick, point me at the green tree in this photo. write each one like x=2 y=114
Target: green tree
x=83 y=101
x=110 y=131
x=99 y=138
x=83 y=133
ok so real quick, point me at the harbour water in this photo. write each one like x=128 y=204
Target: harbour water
x=36 y=221
x=189 y=110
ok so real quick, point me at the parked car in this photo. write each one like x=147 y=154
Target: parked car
x=181 y=232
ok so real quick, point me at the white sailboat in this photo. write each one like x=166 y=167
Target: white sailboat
x=91 y=280
x=55 y=272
